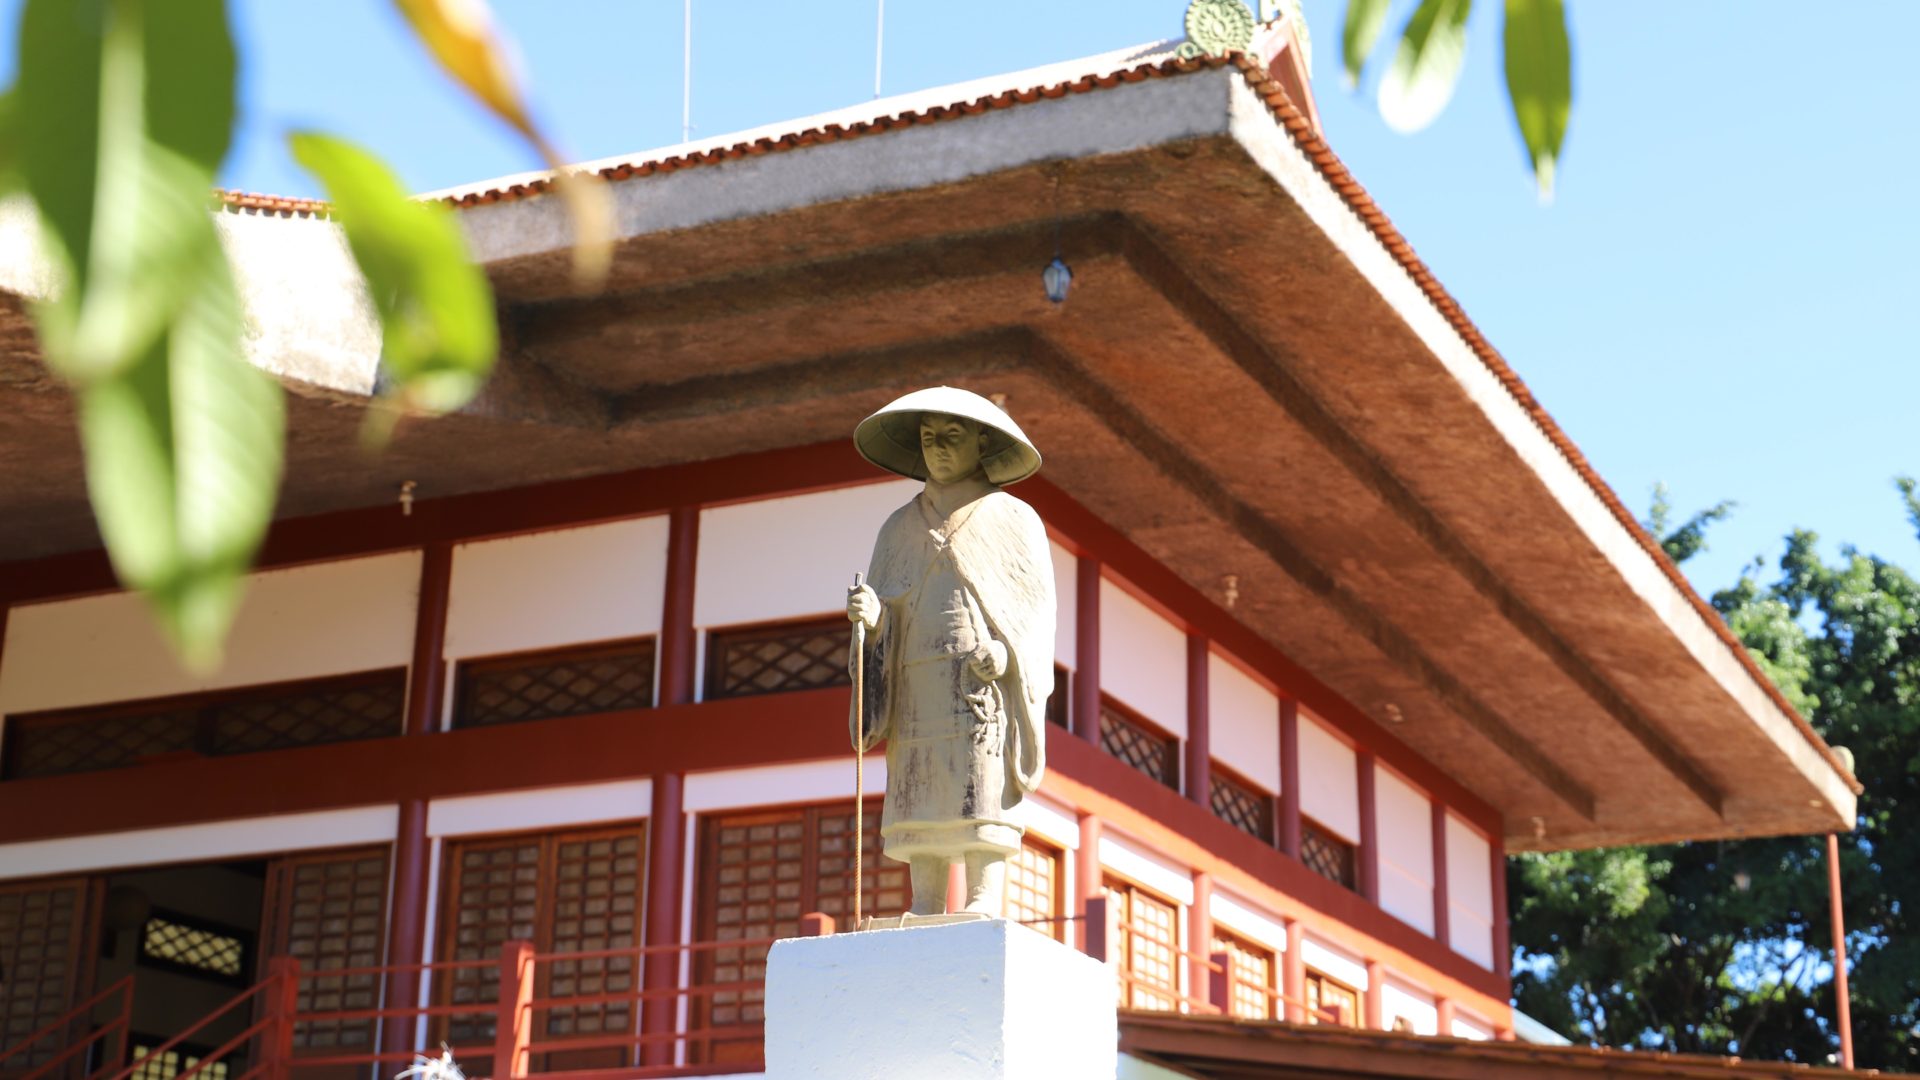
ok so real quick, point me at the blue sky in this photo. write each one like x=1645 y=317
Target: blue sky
x=1710 y=301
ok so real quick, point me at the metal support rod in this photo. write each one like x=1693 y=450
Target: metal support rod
x=1843 y=1002
x=859 y=752
x=879 y=43
x=686 y=73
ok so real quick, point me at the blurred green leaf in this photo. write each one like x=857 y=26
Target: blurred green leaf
x=436 y=307
x=121 y=114
x=1539 y=61
x=183 y=458
x=123 y=120
x=1365 y=20
x=1426 y=66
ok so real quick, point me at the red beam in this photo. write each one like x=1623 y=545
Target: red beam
x=1502 y=944
x=484 y=514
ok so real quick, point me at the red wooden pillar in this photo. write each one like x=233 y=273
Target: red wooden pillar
x=1086 y=651
x=1443 y=1017
x=513 y=1023
x=1087 y=878
x=667 y=819
x=1502 y=949
x=666 y=826
x=1376 y=1014
x=1290 y=776
x=676 y=614
x=1293 y=980
x=1200 y=941
x=1442 y=906
x=1369 y=829
x=426 y=692
x=1199 y=725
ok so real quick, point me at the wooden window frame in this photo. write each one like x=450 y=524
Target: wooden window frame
x=248 y=940
x=1311 y=826
x=710 y=676
x=1222 y=774
x=1125 y=940
x=1311 y=989
x=1056 y=927
x=200 y=703
x=467 y=667
x=1271 y=1006
x=1133 y=718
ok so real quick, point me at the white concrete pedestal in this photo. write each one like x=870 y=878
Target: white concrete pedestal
x=968 y=1001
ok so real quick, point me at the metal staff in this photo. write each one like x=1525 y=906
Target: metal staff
x=859 y=750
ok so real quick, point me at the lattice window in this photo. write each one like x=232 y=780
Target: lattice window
x=276 y=717
x=166 y=1066
x=1033 y=888
x=772 y=659
x=1326 y=854
x=565 y=892
x=195 y=946
x=330 y=913
x=1139 y=744
x=1242 y=805
x=560 y=682
x=1330 y=1001
x=40 y=946
x=1145 y=943
x=759 y=873
x=1253 y=968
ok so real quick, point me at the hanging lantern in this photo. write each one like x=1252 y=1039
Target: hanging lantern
x=1057 y=277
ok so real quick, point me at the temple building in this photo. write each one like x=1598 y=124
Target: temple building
x=532 y=733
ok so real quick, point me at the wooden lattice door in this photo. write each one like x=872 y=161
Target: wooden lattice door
x=43 y=953
x=759 y=873
x=565 y=892
x=329 y=912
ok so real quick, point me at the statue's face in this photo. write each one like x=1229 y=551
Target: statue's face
x=951 y=446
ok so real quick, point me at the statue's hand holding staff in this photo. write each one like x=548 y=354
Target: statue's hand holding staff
x=863 y=606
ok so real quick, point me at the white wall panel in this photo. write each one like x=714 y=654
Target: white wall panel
x=1405 y=820
x=1047 y=820
x=1244 y=723
x=1329 y=784
x=540 y=808
x=1471 y=1027
x=1143 y=659
x=326 y=619
x=772 y=785
x=1066 y=593
x=1398 y=1000
x=1245 y=920
x=789 y=558
x=1469 y=894
x=1138 y=864
x=557 y=588
x=1334 y=961
x=240 y=837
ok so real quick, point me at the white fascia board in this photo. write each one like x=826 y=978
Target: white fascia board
x=235 y=839
x=540 y=808
x=1252 y=125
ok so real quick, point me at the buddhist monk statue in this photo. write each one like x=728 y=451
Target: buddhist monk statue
x=959 y=611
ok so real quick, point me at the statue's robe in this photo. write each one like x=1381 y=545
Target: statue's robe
x=961 y=752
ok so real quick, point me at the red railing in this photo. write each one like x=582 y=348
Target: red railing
x=122 y=988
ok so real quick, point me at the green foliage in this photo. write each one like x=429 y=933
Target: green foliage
x=1724 y=947
x=435 y=306
x=1426 y=64
x=1689 y=539
x=1432 y=49
x=116 y=127
x=1539 y=63
x=120 y=120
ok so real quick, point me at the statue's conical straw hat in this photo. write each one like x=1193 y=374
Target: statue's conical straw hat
x=890 y=438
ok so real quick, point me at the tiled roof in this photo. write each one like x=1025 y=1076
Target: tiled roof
x=1290 y=118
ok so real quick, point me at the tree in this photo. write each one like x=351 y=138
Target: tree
x=1724 y=947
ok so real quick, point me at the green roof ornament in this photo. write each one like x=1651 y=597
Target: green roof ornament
x=1216 y=28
